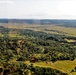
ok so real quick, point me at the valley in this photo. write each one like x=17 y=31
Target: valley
x=25 y=49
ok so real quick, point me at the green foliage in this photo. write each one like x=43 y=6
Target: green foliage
x=35 y=46
x=46 y=71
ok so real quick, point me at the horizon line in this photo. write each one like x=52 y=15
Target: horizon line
x=38 y=18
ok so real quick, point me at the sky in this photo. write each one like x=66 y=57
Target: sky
x=38 y=9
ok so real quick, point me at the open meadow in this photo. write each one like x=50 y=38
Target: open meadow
x=54 y=29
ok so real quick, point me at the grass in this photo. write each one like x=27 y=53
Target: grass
x=1 y=35
x=10 y=35
x=70 y=40
x=68 y=31
x=64 y=66
x=49 y=64
x=42 y=64
x=44 y=28
x=13 y=35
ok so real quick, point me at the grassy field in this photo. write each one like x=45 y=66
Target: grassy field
x=54 y=29
x=1 y=35
x=64 y=66
x=70 y=40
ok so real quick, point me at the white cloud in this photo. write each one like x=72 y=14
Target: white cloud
x=67 y=7
x=6 y=2
x=38 y=9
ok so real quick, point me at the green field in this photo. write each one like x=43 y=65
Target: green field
x=54 y=29
x=64 y=66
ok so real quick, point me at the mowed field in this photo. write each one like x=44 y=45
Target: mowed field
x=64 y=66
x=54 y=29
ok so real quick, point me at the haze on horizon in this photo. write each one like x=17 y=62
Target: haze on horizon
x=38 y=9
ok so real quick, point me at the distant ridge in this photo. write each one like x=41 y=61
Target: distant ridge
x=41 y=21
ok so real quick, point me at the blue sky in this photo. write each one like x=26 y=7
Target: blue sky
x=38 y=9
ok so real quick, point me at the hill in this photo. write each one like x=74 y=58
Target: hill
x=67 y=23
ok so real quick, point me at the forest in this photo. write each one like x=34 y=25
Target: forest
x=18 y=46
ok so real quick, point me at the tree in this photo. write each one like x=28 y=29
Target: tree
x=75 y=68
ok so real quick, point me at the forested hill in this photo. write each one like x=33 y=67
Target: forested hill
x=71 y=23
